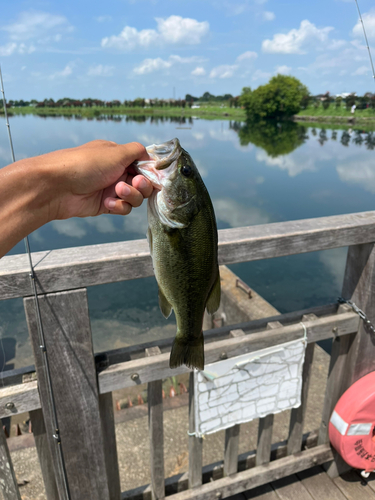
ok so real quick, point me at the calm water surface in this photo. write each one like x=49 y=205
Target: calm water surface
x=255 y=175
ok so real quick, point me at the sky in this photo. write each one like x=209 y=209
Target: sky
x=123 y=49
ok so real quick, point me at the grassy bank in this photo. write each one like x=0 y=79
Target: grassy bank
x=333 y=114
x=208 y=112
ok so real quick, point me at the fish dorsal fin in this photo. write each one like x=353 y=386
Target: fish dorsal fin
x=164 y=305
x=213 y=300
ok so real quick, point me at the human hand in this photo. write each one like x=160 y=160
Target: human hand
x=95 y=178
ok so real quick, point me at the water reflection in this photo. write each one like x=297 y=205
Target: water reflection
x=283 y=138
x=274 y=137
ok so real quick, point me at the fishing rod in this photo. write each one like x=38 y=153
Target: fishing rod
x=367 y=44
x=41 y=337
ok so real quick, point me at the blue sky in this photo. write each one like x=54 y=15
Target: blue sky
x=152 y=48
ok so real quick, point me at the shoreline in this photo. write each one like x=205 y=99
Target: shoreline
x=208 y=113
x=211 y=112
x=351 y=120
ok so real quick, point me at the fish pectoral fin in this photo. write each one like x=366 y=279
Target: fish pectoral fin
x=213 y=300
x=149 y=239
x=164 y=305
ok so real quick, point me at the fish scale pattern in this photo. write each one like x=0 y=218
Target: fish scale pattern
x=248 y=387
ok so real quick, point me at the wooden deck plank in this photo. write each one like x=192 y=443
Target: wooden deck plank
x=354 y=487
x=290 y=488
x=261 y=493
x=319 y=485
x=370 y=481
x=78 y=267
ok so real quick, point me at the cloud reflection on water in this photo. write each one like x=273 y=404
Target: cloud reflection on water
x=237 y=215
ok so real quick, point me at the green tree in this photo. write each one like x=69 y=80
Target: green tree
x=281 y=97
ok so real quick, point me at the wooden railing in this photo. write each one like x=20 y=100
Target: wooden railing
x=83 y=389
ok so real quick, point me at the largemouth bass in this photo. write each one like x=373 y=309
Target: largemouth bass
x=182 y=236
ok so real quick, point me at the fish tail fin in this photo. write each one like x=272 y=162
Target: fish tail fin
x=185 y=352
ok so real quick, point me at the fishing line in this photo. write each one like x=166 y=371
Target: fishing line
x=42 y=344
x=368 y=46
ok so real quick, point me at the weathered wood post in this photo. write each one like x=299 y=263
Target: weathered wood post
x=66 y=323
x=359 y=287
x=155 y=424
x=8 y=481
x=195 y=443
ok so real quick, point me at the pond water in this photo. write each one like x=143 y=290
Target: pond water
x=255 y=175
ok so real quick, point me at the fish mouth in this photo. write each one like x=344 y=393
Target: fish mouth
x=163 y=161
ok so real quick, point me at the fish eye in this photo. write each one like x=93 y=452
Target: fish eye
x=186 y=170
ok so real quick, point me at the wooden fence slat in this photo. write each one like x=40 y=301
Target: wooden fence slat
x=113 y=262
x=8 y=480
x=265 y=426
x=264 y=440
x=110 y=447
x=65 y=319
x=232 y=436
x=297 y=415
x=337 y=367
x=44 y=454
x=195 y=443
x=155 y=423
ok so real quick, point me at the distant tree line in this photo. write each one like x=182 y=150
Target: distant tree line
x=327 y=100
x=139 y=102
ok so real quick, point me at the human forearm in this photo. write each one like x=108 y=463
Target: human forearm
x=85 y=181
x=25 y=190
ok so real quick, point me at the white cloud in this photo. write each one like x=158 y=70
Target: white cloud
x=290 y=163
x=247 y=56
x=362 y=70
x=198 y=71
x=152 y=65
x=283 y=70
x=297 y=41
x=228 y=70
x=8 y=49
x=261 y=75
x=14 y=48
x=67 y=71
x=158 y=64
x=237 y=215
x=369 y=22
x=137 y=221
x=75 y=228
x=103 y=19
x=359 y=172
x=174 y=30
x=223 y=71
x=268 y=16
x=32 y=24
x=100 y=70
x=103 y=224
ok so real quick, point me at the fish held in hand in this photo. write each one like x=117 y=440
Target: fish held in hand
x=182 y=236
